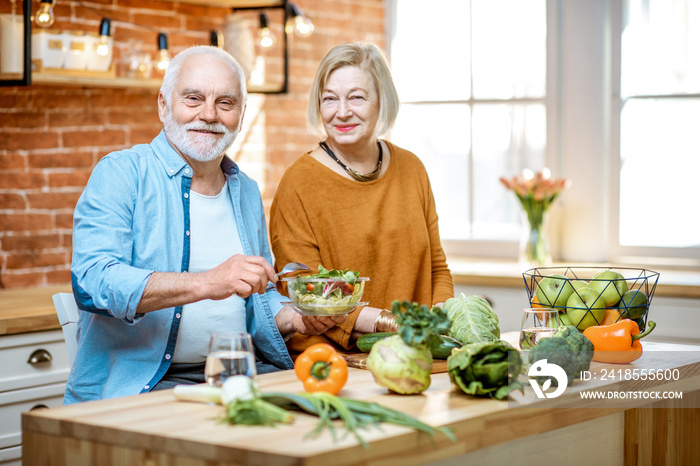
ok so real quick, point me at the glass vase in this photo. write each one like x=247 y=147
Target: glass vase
x=534 y=243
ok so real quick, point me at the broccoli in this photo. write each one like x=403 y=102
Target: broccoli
x=568 y=348
x=582 y=346
x=556 y=350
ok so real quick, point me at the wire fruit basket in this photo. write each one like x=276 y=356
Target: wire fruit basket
x=587 y=296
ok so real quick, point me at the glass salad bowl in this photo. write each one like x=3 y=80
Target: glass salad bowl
x=312 y=296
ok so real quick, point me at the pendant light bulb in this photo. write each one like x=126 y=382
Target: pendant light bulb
x=265 y=37
x=44 y=17
x=298 y=22
x=303 y=25
x=104 y=46
x=163 y=52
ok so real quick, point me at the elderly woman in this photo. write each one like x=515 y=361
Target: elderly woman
x=359 y=202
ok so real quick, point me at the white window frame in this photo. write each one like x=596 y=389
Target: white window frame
x=678 y=257
x=583 y=138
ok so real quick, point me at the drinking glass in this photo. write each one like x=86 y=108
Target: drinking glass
x=538 y=323
x=229 y=354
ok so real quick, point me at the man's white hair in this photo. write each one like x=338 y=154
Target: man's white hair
x=173 y=72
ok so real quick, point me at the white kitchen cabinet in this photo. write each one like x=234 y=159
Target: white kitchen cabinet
x=33 y=372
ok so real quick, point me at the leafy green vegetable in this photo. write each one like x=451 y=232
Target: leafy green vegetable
x=399 y=367
x=244 y=405
x=402 y=363
x=473 y=320
x=355 y=414
x=420 y=326
x=580 y=345
x=342 y=275
x=256 y=411
x=568 y=348
x=485 y=369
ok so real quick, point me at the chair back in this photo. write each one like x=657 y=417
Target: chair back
x=68 y=314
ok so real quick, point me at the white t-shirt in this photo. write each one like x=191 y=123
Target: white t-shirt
x=213 y=239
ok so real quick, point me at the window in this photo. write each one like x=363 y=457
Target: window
x=472 y=83
x=659 y=118
x=605 y=94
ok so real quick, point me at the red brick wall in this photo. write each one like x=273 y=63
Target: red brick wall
x=52 y=136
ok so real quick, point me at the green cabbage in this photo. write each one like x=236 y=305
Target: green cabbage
x=473 y=320
x=485 y=369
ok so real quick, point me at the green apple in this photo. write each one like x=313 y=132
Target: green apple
x=554 y=290
x=564 y=317
x=610 y=285
x=578 y=284
x=634 y=304
x=585 y=308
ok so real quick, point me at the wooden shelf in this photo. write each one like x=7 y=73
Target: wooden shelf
x=232 y=3
x=124 y=83
x=88 y=81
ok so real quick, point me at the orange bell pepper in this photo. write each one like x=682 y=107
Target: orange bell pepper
x=617 y=343
x=321 y=368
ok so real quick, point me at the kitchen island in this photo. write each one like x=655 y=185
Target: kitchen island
x=157 y=429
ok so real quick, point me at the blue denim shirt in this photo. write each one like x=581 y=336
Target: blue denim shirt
x=132 y=220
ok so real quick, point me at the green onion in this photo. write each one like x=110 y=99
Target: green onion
x=355 y=414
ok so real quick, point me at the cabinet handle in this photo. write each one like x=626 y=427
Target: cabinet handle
x=39 y=356
x=39 y=406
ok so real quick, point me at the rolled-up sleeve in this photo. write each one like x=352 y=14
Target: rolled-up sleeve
x=104 y=281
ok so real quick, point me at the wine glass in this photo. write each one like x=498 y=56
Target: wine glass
x=230 y=354
x=538 y=323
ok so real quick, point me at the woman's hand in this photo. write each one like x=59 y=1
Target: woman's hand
x=288 y=321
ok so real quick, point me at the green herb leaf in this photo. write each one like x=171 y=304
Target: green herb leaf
x=256 y=411
x=420 y=326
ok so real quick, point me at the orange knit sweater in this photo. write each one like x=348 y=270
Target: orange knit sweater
x=387 y=229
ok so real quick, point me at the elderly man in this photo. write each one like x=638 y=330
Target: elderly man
x=170 y=245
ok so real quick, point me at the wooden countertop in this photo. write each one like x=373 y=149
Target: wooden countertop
x=157 y=426
x=29 y=309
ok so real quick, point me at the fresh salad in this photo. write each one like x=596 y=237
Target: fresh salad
x=336 y=288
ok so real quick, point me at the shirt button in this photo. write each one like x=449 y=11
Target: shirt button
x=187 y=232
x=187 y=170
x=186 y=195
x=172 y=171
x=147 y=387
x=177 y=316
x=167 y=356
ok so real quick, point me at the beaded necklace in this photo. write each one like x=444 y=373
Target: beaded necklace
x=355 y=174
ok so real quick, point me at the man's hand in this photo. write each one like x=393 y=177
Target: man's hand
x=240 y=275
x=289 y=321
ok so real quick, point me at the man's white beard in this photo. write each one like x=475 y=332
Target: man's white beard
x=199 y=147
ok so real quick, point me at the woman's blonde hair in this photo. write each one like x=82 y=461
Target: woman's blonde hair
x=368 y=57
